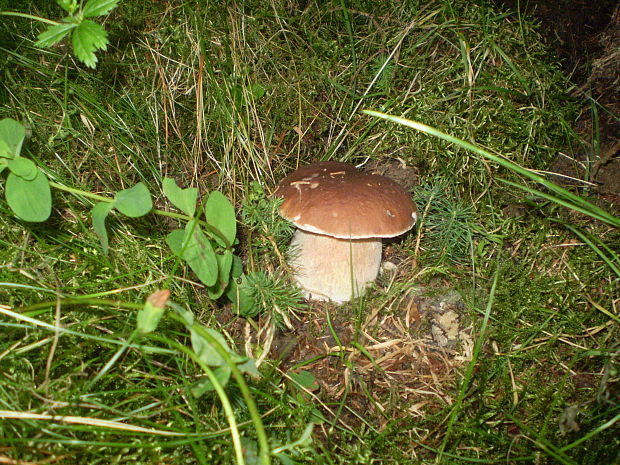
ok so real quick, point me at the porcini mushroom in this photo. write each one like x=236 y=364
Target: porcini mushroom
x=341 y=215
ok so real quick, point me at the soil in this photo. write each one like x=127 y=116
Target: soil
x=404 y=354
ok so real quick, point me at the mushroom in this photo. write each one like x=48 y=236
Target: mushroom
x=341 y=215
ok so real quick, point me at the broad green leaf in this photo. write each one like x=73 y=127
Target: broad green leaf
x=99 y=213
x=250 y=451
x=183 y=199
x=222 y=374
x=224 y=265
x=88 y=37
x=187 y=315
x=239 y=293
x=193 y=246
x=258 y=91
x=98 y=7
x=175 y=242
x=5 y=150
x=54 y=34
x=317 y=417
x=13 y=134
x=154 y=307
x=283 y=458
x=237 y=267
x=221 y=215
x=24 y=168
x=205 y=350
x=135 y=201
x=249 y=367
x=68 y=5
x=304 y=379
x=29 y=200
x=3 y=164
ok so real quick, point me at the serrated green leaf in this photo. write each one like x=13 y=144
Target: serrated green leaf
x=98 y=7
x=221 y=215
x=54 y=34
x=88 y=37
x=193 y=246
x=29 y=200
x=23 y=167
x=183 y=199
x=134 y=202
x=13 y=134
x=99 y=213
x=205 y=350
x=222 y=374
x=224 y=265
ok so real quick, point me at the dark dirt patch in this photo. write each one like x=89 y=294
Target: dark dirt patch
x=396 y=364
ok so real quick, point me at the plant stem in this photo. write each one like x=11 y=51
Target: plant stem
x=217 y=386
x=179 y=216
x=264 y=450
x=27 y=16
x=101 y=198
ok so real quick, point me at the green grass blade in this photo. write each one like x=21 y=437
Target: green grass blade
x=577 y=201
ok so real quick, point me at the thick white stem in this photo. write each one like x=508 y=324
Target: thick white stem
x=334 y=269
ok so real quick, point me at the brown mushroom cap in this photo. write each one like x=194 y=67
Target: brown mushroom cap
x=335 y=199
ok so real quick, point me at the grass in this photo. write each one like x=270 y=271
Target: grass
x=232 y=98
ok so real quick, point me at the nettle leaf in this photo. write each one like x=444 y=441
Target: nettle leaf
x=222 y=374
x=193 y=246
x=98 y=7
x=154 y=307
x=134 y=202
x=88 y=37
x=99 y=213
x=221 y=215
x=13 y=135
x=23 y=167
x=30 y=200
x=54 y=34
x=183 y=199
